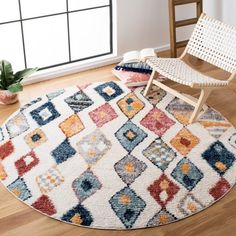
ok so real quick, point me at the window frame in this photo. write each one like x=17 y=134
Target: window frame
x=67 y=12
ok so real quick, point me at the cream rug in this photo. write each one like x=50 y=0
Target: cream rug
x=104 y=156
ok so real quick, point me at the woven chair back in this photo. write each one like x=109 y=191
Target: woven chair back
x=214 y=42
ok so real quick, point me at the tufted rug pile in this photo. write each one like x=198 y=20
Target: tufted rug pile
x=104 y=156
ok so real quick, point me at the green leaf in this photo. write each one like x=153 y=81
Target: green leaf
x=7 y=76
x=20 y=75
x=14 y=88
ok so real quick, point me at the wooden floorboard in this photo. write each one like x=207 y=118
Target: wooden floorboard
x=16 y=218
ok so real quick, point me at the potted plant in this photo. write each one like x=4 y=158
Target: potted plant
x=10 y=83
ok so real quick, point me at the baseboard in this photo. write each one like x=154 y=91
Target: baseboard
x=79 y=67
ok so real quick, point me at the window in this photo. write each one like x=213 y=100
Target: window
x=50 y=33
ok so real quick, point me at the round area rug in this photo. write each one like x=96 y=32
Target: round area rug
x=104 y=156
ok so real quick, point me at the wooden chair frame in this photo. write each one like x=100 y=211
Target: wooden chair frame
x=228 y=64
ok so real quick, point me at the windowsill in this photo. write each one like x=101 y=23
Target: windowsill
x=72 y=68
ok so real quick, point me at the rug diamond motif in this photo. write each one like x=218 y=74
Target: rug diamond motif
x=184 y=141
x=63 y=152
x=190 y=205
x=79 y=101
x=109 y=91
x=93 y=147
x=20 y=189
x=187 y=174
x=102 y=155
x=214 y=122
x=220 y=189
x=78 y=215
x=127 y=205
x=161 y=218
x=86 y=185
x=130 y=105
x=26 y=163
x=55 y=94
x=45 y=205
x=157 y=121
x=155 y=95
x=71 y=126
x=163 y=190
x=181 y=110
x=3 y=173
x=130 y=135
x=45 y=114
x=129 y=168
x=17 y=125
x=35 y=138
x=219 y=158
x=159 y=153
x=103 y=115
x=49 y=180
x=6 y=149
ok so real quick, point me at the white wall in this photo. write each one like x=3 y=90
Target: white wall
x=145 y=23
x=228 y=11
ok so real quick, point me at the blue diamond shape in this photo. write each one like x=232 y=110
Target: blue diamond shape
x=63 y=152
x=187 y=174
x=127 y=206
x=45 y=114
x=219 y=158
x=129 y=142
x=102 y=90
x=27 y=105
x=20 y=187
x=79 y=101
x=82 y=212
x=86 y=185
x=55 y=94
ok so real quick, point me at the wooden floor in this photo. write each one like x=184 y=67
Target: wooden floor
x=17 y=219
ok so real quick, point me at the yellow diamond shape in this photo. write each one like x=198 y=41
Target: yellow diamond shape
x=184 y=141
x=71 y=126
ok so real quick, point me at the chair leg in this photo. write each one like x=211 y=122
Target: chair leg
x=201 y=101
x=149 y=85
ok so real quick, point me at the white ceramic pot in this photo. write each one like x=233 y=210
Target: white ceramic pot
x=7 y=97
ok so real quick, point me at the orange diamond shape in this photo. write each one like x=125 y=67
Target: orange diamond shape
x=184 y=141
x=35 y=138
x=71 y=126
x=3 y=174
x=130 y=105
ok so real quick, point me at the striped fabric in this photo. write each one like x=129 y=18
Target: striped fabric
x=140 y=67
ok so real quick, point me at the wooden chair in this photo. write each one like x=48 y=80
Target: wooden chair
x=211 y=41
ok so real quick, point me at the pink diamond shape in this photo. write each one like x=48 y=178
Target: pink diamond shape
x=157 y=121
x=163 y=190
x=103 y=114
